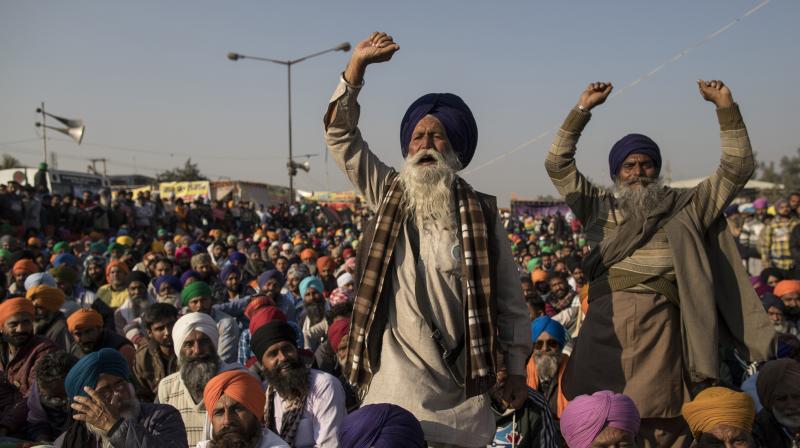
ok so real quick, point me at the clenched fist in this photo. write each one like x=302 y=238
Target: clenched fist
x=378 y=47
x=716 y=92
x=595 y=94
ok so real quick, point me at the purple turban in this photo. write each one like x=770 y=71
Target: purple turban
x=632 y=144
x=269 y=275
x=760 y=203
x=587 y=415
x=227 y=271
x=171 y=280
x=381 y=426
x=238 y=258
x=190 y=274
x=455 y=116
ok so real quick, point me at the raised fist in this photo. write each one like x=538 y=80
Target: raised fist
x=716 y=92
x=595 y=94
x=378 y=47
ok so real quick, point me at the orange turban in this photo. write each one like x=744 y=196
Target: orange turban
x=719 y=406
x=786 y=287
x=119 y=264
x=14 y=306
x=48 y=297
x=84 y=318
x=324 y=261
x=240 y=386
x=25 y=265
x=539 y=275
x=307 y=254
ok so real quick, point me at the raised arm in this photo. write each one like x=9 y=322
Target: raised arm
x=736 y=164
x=581 y=196
x=342 y=136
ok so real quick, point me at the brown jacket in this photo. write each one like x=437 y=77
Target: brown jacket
x=16 y=378
x=150 y=367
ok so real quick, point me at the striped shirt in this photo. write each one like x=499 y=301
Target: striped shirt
x=774 y=242
x=651 y=266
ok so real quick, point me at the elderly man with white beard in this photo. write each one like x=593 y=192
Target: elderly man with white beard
x=439 y=310
x=107 y=413
x=666 y=283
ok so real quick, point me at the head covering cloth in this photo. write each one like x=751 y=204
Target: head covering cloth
x=338 y=331
x=14 y=306
x=188 y=323
x=88 y=369
x=587 y=415
x=271 y=333
x=311 y=282
x=195 y=289
x=633 y=144
x=264 y=316
x=49 y=297
x=719 y=405
x=270 y=275
x=240 y=386
x=786 y=287
x=780 y=375
x=84 y=318
x=381 y=426
x=122 y=266
x=25 y=266
x=39 y=278
x=170 y=280
x=545 y=324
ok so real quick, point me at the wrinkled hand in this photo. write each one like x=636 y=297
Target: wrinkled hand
x=515 y=391
x=94 y=411
x=378 y=47
x=715 y=91
x=595 y=94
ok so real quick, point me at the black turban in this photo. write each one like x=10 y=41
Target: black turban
x=138 y=276
x=271 y=333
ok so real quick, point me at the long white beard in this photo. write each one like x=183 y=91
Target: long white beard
x=636 y=202
x=547 y=365
x=428 y=188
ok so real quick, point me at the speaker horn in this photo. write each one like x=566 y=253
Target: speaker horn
x=74 y=127
x=305 y=166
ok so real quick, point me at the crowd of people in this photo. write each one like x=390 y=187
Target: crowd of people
x=147 y=321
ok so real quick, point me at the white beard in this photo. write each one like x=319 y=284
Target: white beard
x=428 y=189
x=637 y=202
x=791 y=421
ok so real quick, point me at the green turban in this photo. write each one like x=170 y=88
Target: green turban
x=533 y=263
x=60 y=246
x=195 y=289
x=5 y=254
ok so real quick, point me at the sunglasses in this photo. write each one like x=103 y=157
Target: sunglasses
x=551 y=343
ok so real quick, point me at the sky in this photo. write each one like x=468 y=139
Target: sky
x=152 y=82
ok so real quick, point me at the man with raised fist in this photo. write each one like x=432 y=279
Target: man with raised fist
x=666 y=283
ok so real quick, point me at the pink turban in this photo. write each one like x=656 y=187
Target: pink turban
x=587 y=415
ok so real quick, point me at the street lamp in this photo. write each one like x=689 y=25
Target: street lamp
x=290 y=165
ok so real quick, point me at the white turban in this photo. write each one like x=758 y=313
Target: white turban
x=201 y=322
x=40 y=278
x=344 y=279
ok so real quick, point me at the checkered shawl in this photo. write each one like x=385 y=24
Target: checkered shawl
x=476 y=284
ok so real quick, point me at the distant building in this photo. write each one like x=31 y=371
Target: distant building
x=131 y=180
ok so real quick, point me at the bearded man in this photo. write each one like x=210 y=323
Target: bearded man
x=547 y=362
x=778 y=386
x=435 y=258
x=650 y=242
x=127 y=318
x=194 y=337
x=49 y=321
x=562 y=302
x=304 y=406
x=107 y=413
x=721 y=417
x=86 y=328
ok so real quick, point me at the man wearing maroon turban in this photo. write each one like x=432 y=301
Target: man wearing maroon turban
x=641 y=337
x=435 y=253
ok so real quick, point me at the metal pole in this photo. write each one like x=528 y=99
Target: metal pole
x=291 y=176
x=44 y=134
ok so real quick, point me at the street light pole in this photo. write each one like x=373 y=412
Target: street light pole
x=288 y=63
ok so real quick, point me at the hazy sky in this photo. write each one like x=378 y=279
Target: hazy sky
x=151 y=80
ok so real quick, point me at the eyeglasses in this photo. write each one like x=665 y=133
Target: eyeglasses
x=108 y=392
x=551 y=343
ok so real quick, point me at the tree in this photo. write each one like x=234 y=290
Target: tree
x=787 y=172
x=189 y=172
x=9 y=162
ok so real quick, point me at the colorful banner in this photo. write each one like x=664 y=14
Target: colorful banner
x=188 y=191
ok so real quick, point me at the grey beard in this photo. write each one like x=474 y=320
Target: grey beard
x=427 y=189
x=637 y=202
x=315 y=312
x=781 y=327
x=787 y=420
x=546 y=365
x=195 y=373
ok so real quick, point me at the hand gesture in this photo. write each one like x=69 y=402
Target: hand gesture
x=378 y=47
x=715 y=92
x=94 y=410
x=595 y=94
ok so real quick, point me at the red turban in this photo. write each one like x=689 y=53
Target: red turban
x=323 y=262
x=786 y=287
x=25 y=265
x=338 y=331
x=257 y=303
x=119 y=264
x=49 y=298
x=14 y=306
x=264 y=316
x=240 y=386
x=84 y=318
x=307 y=254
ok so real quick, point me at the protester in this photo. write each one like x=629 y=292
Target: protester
x=115 y=292
x=417 y=211
x=106 y=410
x=638 y=234
x=49 y=321
x=778 y=386
x=48 y=408
x=381 y=425
x=774 y=241
x=546 y=365
x=719 y=416
x=86 y=328
x=603 y=419
x=127 y=318
x=156 y=359
x=235 y=401
x=304 y=406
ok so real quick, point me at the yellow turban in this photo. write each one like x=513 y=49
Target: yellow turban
x=719 y=406
x=48 y=297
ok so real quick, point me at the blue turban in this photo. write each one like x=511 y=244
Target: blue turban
x=238 y=257
x=381 y=426
x=455 y=116
x=547 y=325
x=269 y=275
x=227 y=271
x=90 y=367
x=190 y=274
x=196 y=248
x=171 y=280
x=67 y=259
x=632 y=144
x=310 y=282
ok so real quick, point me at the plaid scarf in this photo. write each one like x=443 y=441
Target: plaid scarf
x=476 y=284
